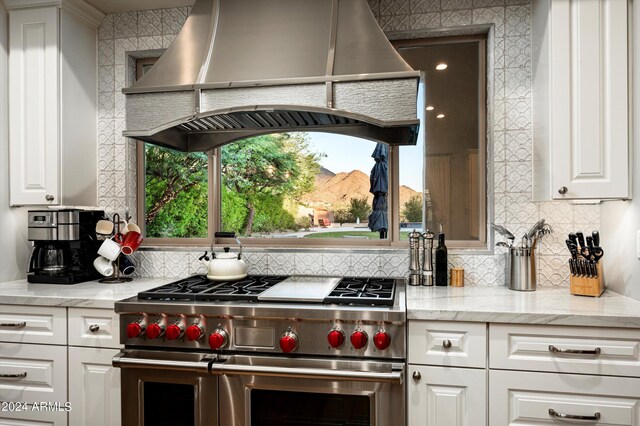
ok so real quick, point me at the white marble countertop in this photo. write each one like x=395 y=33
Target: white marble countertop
x=543 y=306
x=91 y=294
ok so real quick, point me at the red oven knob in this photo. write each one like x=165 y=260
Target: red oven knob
x=359 y=339
x=155 y=330
x=174 y=331
x=335 y=338
x=382 y=340
x=194 y=332
x=134 y=329
x=289 y=342
x=218 y=339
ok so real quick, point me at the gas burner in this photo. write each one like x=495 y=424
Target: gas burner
x=199 y=287
x=363 y=291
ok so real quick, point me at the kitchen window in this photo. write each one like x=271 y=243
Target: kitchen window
x=313 y=188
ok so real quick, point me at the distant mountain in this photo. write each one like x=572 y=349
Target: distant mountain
x=334 y=190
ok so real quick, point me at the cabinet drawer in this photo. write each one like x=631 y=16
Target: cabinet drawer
x=94 y=327
x=33 y=373
x=33 y=324
x=454 y=344
x=585 y=350
x=518 y=398
x=33 y=418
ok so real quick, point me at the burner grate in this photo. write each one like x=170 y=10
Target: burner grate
x=363 y=291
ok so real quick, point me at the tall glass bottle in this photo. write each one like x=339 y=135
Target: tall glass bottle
x=441 y=260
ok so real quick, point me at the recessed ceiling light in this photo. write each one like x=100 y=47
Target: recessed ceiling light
x=440 y=116
x=429 y=108
x=441 y=66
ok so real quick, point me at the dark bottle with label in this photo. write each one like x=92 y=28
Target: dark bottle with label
x=441 y=261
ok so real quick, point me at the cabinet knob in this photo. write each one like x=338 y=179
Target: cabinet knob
x=417 y=376
x=94 y=327
x=49 y=197
x=446 y=343
x=563 y=190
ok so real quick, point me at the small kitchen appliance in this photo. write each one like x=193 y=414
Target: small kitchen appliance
x=64 y=245
x=264 y=350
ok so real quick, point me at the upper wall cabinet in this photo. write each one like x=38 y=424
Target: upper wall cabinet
x=581 y=99
x=52 y=102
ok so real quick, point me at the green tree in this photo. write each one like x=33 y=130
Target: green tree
x=359 y=208
x=342 y=216
x=412 y=209
x=175 y=193
x=277 y=166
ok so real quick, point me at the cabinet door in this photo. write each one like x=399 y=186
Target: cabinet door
x=94 y=387
x=33 y=115
x=526 y=398
x=444 y=396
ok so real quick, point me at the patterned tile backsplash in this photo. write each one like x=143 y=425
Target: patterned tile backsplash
x=510 y=127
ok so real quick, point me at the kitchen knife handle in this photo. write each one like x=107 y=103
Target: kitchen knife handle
x=556 y=350
x=596 y=238
x=580 y=237
x=562 y=416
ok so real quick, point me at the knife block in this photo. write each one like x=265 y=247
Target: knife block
x=583 y=286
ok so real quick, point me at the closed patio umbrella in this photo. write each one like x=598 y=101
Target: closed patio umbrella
x=379 y=179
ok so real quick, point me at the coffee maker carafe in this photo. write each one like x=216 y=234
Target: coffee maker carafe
x=64 y=245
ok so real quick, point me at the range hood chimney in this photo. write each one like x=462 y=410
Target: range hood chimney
x=241 y=68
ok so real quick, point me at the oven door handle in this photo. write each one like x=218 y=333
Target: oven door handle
x=395 y=376
x=121 y=360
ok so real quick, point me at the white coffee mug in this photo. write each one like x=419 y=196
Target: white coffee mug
x=133 y=227
x=103 y=265
x=109 y=249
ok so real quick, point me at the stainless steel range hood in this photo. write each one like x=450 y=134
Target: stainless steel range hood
x=243 y=68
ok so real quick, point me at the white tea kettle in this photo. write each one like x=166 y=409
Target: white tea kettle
x=225 y=266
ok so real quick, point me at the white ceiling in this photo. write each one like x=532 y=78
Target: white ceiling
x=111 y=6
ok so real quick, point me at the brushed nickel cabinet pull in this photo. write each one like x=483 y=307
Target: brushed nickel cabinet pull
x=563 y=190
x=417 y=376
x=562 y=416
x=49 y=197
x=94 y=327
x=14 y=376
x=14 y=324
x=446 y=343
x=555 y=350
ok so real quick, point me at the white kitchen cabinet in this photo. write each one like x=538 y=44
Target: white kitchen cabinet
x=581 y=97
x=445 y=396
x=53 y=102
x=94 y=387
x=518 y=398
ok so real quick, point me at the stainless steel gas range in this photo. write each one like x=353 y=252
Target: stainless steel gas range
x=265 y=350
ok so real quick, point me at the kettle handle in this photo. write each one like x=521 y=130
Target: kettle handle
x=226 y=235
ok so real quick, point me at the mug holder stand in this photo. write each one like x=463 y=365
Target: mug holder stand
x=116 y=278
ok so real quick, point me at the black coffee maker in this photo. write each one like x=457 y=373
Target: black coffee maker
x=64 y=245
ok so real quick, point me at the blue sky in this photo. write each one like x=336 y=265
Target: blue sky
x=346 y=153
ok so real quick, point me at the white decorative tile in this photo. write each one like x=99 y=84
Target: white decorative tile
x=173 y=20
x=500 y=177
x=176 y=264
x=106 y=79
x=520 y=209
x=518 y=114
x=106 y=184
x=122 y=46
x=106 y=157
x=150 y=43
x=196 y=267
x=106 y=105
x=586 y=214
x=518 y=20
x=499 y=154
x=119 y=105
x=281 y=264
x=455 y=18
x=125 y=25
x=516 y=2
x=518 y=145
x=106 y=52
x=519 y=178
x=106 y=129
x=308 y=263
x=487 y=3
x=256 y=262
x=517 y=52
x=366 y=265
x=151 y=264
x=499 y=115
x=553 y=271
x=498 y=52
x=554 y=244
x=424 y=6
x=336 y=264
x=557 y=212
x=396 y=264
x=395 y=22
x=500 y=208
x=394 y=7
x=167 y=40
x=517 y=82
x=489 y=270
x=456 y=4
x=120 y=157
x=490 y=15
x=105 y=31
x=150 y=23
x=422 y=21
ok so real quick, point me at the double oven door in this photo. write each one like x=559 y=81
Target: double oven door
x=243 y=390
